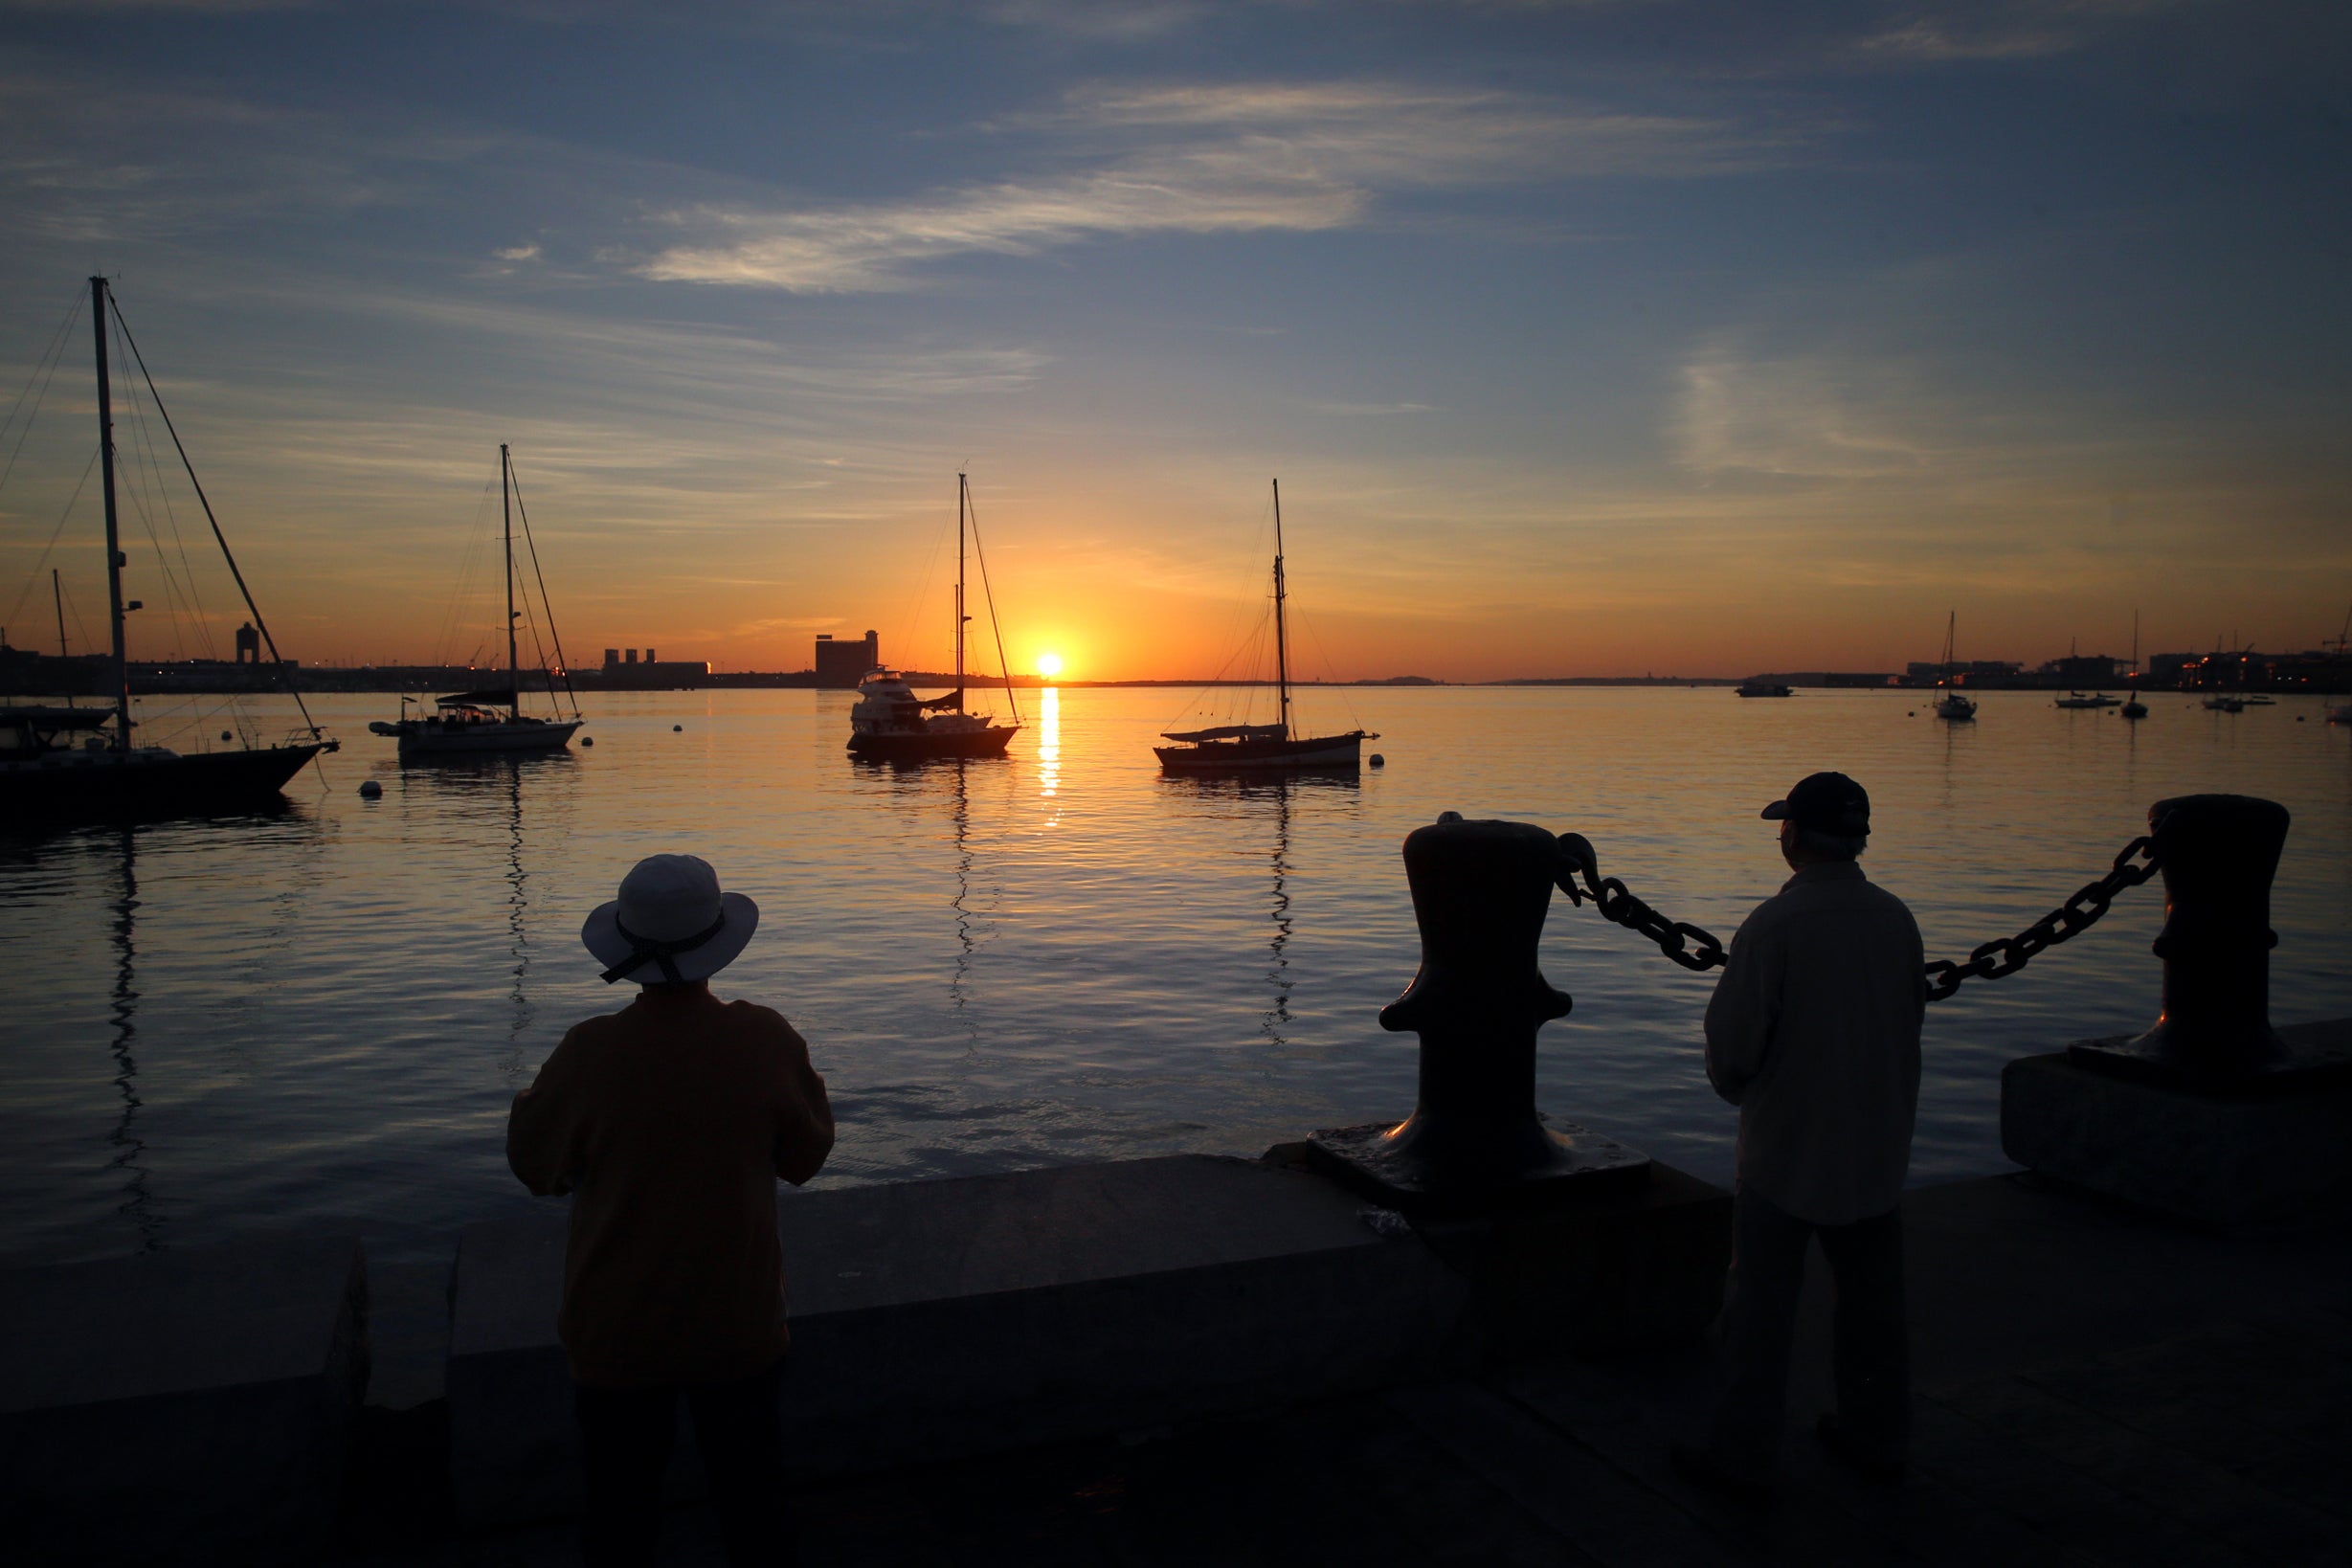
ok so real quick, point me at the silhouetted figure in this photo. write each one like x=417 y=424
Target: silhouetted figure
x=669 y=1123
x=1813 y=1033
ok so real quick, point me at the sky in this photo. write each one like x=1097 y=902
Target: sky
x=1598 y=338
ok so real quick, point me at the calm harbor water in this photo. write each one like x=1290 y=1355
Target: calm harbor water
x=318 y=1017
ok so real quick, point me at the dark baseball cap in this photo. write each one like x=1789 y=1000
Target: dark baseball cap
x=1827 y=803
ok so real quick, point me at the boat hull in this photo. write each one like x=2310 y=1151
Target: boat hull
x=89 y=785
x=478 y=740
x=952 y=744
x=1255 y=756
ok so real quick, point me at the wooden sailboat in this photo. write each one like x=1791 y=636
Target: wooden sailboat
x=891 y=723
x=1952 y=704
x=1263 y=747
x=57 y=761
x=468 y=723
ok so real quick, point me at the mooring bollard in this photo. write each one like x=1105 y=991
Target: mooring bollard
x=1475 y=1140
x=2219 y=854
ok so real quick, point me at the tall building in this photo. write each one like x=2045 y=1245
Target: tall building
x=842 y=662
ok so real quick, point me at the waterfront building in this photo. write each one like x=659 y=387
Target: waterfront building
x=624 y=671
x=842 y=662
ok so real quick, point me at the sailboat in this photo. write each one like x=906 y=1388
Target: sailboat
x=1263 y=747
x=469 y=723
x=891 y=723
x=2135 y=709
x=57 y=760
x=1952 y=704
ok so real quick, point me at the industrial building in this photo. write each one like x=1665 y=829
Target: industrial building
x=842 y=662
x=624 y=671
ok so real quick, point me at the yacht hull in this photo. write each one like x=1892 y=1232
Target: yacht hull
x=958 y=742
x=103 y=784
x=479 y=739
x=1253 y=756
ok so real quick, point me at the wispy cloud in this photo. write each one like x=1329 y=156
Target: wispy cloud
x=1995 y=29
x=1203 y=160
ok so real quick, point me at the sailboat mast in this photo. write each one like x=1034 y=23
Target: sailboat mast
x=115 y=559
x=505 y=500
x=1282 y=642
x=962 y=488
x=58 y=592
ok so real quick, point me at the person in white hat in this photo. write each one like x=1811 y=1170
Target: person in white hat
x=669 y=1123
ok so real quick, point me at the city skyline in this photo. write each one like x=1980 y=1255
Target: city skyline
x=1585 y=340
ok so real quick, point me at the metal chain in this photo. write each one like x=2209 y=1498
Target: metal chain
x=1616 y=903
x=2134 y=864
x=2007 y=955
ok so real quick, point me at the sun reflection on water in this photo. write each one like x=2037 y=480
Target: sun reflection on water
x=1049 y=746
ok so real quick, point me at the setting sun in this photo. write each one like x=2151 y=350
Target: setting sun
x=1050 y=664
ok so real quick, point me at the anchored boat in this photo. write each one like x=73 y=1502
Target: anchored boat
x=469 y=723
x=1952 y=704
x=60 y=761
x=1263 y=747
x=891 y=723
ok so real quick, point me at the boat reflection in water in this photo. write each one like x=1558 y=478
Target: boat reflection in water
x=1270 y=800
x=129 y=1148
x=487 y=789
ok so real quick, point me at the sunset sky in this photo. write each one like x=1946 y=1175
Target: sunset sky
x=1593 y=338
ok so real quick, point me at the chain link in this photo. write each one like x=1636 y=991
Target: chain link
x=2134 y=864
x=1615 y=902
x=2002 y=955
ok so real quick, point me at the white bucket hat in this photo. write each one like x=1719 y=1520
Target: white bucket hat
x=670 y=924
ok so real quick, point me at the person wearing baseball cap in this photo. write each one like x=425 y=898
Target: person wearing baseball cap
x=669 y=1124
x=1813 y=1032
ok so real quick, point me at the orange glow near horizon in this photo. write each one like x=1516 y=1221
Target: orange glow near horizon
x=1049 y=664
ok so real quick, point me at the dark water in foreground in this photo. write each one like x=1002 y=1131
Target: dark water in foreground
x=319 y=1017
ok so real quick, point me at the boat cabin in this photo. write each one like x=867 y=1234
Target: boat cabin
x=28 y=733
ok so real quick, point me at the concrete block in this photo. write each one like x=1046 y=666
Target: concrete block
x=188 y=1405
x=2208 y=1159
x=1628 y=1266
x=942 y=1318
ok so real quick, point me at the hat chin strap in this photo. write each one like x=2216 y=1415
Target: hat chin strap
x=644 y=949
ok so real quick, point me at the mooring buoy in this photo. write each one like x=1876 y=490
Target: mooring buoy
x=371 y=791
x=1378 y=761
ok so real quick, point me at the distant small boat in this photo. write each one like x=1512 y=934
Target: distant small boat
x=1763 y=688
x=1263 y=747
x=2339 y=714
x=467 y=723
x=2258 y=700
x=2135 y=709
x=2222 y=702
x=2077 y=700
x=1952 y=704
x=891 y=723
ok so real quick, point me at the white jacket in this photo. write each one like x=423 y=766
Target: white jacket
x=1813 y=1032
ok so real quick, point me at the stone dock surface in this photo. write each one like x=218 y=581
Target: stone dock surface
x=2096 y=1386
